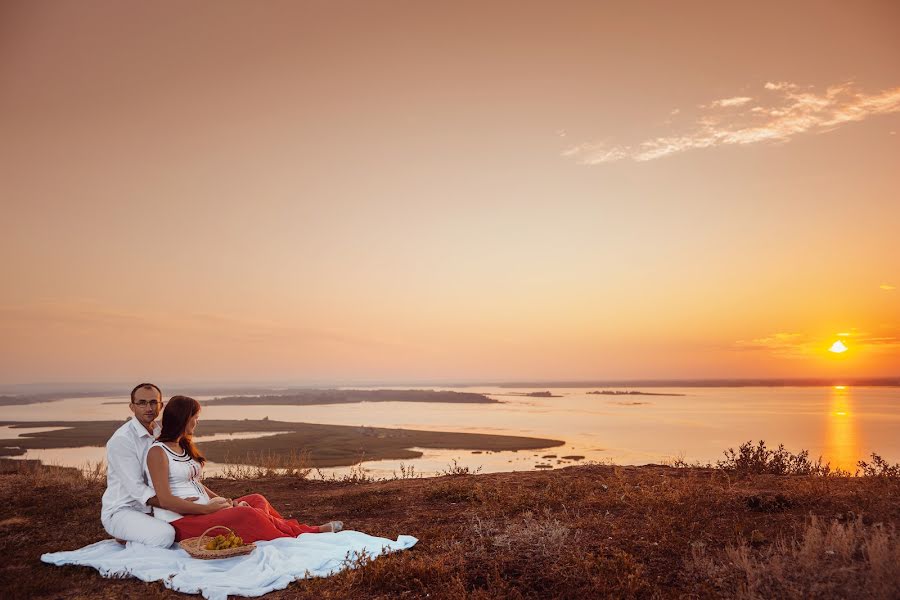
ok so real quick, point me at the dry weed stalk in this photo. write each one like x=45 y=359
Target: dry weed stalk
x=255 y=465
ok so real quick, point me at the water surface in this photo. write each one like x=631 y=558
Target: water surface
x=842 y=424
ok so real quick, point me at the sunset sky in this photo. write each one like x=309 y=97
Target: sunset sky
x=359 y=191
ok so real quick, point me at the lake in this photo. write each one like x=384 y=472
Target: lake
x=842 y=424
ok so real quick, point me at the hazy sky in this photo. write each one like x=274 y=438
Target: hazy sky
x=345 y=191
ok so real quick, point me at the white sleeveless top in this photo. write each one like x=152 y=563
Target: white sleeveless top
x=185 y=474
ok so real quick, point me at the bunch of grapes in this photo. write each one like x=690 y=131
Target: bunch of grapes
x=222 y=542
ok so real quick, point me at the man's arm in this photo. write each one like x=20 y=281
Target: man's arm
x=123 y=459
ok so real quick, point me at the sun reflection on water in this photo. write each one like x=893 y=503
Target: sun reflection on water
x=841 y=444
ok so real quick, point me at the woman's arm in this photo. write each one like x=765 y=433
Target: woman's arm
x=158 y=465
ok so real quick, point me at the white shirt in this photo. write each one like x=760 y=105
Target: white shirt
x=184 y=480
x=126 y=485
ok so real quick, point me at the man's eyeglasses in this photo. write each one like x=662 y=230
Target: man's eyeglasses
x=150 y=403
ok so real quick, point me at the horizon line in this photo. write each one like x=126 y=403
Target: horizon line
x=101 y=387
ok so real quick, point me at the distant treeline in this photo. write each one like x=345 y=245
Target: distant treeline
x=49 y=397
x=632 y=393
x=634 y=383
x=307 y=397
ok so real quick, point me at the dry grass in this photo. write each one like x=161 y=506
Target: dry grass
x=454 y=468
x=591 y=531
x=829 y=560
x=33 y=474
x=266 y=464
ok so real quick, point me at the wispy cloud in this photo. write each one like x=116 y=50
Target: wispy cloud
x=790 y=345
x=736 y=101
x=799 y=345
x=887 y=287
x=779 y=113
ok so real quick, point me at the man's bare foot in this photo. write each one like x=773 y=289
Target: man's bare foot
x=331 y=527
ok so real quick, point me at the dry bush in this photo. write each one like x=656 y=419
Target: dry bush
x=407 y=472
x=837 y=560
x=879 y=468
x=456 y=469
x=679 y=461
x=357 y=475
x=760 y=460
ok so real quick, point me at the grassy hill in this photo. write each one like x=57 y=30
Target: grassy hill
x=590 y=531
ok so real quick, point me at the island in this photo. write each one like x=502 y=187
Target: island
x=310 y=397
x=632 y=393
x=322 y=445
x=532 y=394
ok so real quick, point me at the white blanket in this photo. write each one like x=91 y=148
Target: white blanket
x=271 y=566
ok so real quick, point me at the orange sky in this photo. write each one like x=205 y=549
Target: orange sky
x=408 y=191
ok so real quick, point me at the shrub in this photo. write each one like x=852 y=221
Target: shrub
x=879 y=468
x=456 y=469
x=407 y=472
x=358 y=474
x=760 y=460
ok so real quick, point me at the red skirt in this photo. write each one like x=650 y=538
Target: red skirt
x=259 y=521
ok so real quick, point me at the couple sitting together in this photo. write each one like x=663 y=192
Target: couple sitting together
x=154 y=494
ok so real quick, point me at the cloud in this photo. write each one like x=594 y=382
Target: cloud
x=790 y=345
x=783 y=112
x=736 y=101
x=887 y=287
x=798 y=345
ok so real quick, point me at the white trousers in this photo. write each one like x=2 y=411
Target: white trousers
x=135 y=526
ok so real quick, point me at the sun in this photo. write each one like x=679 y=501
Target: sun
x=838 y=347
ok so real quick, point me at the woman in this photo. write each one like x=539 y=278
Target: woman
x=174 y=468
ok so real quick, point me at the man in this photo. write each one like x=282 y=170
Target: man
x=128 y=499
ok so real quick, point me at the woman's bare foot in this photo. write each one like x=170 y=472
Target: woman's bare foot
x=331 y=527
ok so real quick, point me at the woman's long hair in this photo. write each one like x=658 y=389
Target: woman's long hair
x=178 y=411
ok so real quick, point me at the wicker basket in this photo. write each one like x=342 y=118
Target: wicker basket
x=195 y=546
